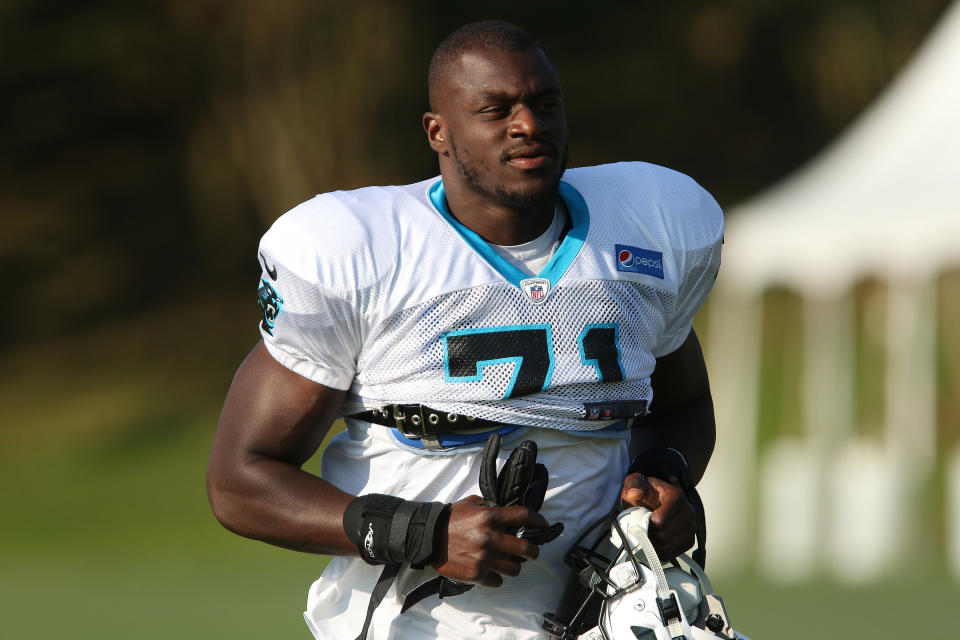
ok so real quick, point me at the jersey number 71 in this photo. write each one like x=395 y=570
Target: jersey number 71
x=467 y=351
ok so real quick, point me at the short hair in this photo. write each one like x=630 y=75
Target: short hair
x=485 y=35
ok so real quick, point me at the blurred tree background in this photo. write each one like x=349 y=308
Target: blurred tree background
x=147 y=146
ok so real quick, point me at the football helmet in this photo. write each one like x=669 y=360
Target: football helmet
x=623 y=592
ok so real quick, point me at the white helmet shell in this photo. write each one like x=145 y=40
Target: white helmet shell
x=642 y=599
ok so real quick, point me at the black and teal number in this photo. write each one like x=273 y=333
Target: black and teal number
x=466 y=352
x=600 y=347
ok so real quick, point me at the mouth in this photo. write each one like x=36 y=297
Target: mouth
x=530 y=156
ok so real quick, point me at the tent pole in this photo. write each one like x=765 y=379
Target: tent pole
x=733 y=359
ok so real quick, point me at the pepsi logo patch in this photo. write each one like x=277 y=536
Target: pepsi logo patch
x=637 y=260
x=536 y=289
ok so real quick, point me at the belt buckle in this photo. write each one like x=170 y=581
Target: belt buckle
x=417 y=421
x=400 y=419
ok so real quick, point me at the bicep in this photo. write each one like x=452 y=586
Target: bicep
x=272 y=412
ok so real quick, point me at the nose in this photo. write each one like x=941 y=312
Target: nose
x=526 y=123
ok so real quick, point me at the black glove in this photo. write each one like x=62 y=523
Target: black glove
x=521 y=482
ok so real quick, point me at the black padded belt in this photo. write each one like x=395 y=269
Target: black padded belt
x=417 y=421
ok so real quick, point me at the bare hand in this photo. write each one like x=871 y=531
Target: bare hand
x=476 y=547
x=673 y=526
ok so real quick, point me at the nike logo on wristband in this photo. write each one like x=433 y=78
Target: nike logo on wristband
x=368 y=542
x=270 y=272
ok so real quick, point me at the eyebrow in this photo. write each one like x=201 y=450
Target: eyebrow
x=501 y=95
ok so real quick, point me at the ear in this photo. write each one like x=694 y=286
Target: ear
x=436 y=130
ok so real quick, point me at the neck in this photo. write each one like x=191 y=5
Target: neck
x=498 y=223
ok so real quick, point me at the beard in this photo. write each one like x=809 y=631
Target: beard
x=517 y=199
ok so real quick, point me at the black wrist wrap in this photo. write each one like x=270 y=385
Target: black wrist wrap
x=387 y=529
x=671 y=465
x=667 y=464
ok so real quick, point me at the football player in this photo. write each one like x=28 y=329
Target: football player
x=507 y=295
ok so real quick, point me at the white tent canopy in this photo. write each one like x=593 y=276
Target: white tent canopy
x=883 y=201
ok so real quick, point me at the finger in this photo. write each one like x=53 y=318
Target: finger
x=513 y=517
x=543 y=536
x=674 y=516
x=674 y=511
x=492 y=580
x=516 y=474
x=511 y=545
x=638 y=492
x=669 y=548
x=537 y=489
x=488 y=469
x=674 y=506
x=679 y=530
x=674 y=538
x=507 y=566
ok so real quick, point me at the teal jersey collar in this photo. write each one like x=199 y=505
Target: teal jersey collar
x=558 y=264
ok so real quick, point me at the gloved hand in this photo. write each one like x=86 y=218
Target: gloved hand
x=521 y=482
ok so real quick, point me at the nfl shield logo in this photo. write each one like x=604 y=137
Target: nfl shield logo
x=537 y=289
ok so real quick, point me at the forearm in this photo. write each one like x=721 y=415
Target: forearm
x=690 y=429
x=279 y=503
x=273 y=420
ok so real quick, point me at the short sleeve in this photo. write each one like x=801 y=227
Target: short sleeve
x=309 y=326
x=697 y=238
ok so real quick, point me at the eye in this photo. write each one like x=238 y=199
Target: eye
x=495 y=110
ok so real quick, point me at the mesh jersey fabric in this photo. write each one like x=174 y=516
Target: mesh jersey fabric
x=384 y=296
x=378 y=288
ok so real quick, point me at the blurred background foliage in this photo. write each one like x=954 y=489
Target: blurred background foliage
x=147 y=146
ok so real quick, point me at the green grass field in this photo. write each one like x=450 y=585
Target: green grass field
x=106 y=532
x=101 y=545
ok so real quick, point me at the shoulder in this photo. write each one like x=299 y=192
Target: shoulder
x=634 y=177
x=344 y=238
x=685 y=210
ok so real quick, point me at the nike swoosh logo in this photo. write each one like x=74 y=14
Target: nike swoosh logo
x=270 y=272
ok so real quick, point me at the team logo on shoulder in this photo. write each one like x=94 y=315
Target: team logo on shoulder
x=637 y=260
x=536 y=289
x=271 y=304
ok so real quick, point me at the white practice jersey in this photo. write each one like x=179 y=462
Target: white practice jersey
x=380 y=291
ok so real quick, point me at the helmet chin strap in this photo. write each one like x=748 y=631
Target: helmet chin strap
x=635 y=523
